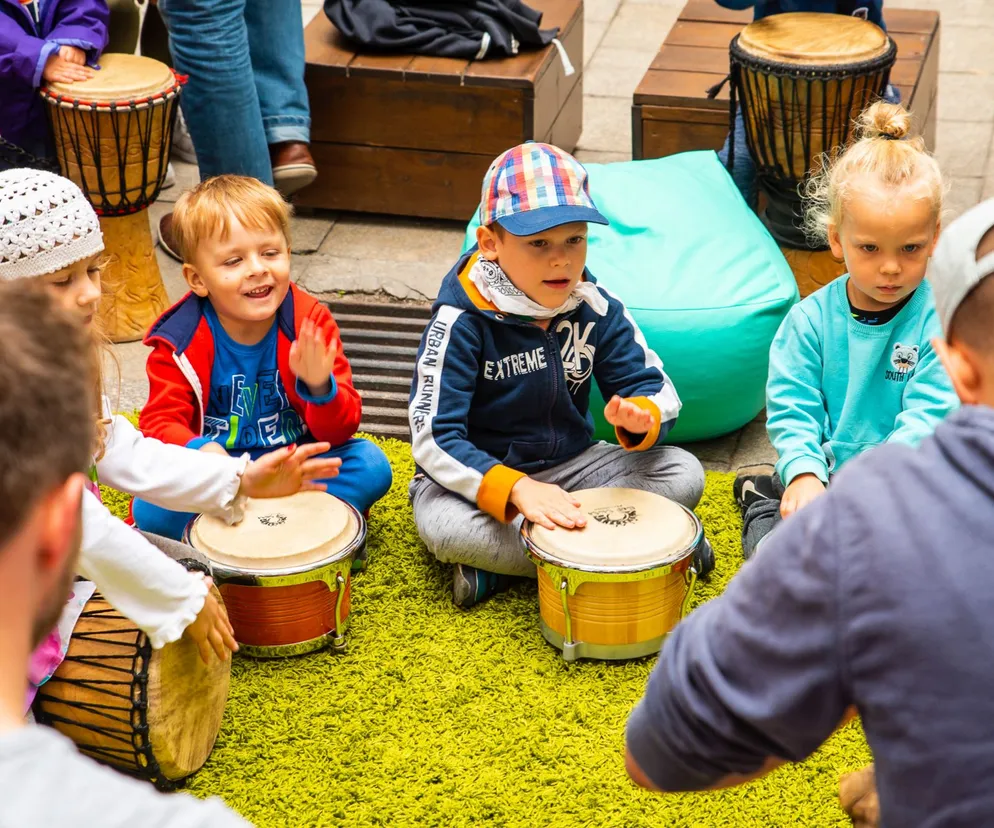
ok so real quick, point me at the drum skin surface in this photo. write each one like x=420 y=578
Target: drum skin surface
x=623 y=577
x=808 y=39
x=112 y=685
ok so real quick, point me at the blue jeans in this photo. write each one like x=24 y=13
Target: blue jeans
x=245 y=62
x=365 y=476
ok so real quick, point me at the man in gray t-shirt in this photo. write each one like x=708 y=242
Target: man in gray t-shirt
x=876 y=595
x=46 y=436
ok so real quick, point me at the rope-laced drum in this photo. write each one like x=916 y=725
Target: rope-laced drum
x=615 y=588
x=151 y=713
x=113 y=136
x=801 y=79
x=285 y=571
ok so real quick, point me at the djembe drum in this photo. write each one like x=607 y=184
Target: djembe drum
x=152 y=713
x=801 y=79
x=113 y=136
x=615 y=588
x=285 y=571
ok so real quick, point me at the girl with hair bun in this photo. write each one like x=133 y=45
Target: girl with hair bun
x=852 y=365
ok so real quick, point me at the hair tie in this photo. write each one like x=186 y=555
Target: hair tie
x=888 y=137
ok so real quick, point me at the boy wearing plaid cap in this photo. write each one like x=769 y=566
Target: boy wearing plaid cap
x=499 y=410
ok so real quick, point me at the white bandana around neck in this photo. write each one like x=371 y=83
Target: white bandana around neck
x=496 y=288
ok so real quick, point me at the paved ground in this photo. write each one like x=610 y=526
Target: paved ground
x=406 y=259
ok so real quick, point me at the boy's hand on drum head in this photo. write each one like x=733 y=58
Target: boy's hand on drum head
x=289 y=470
x=73 y=54
x=547 y=505
x=211 y=630
x=626 y=415
x=312 y=358
x=59 y=70
x=802 y=490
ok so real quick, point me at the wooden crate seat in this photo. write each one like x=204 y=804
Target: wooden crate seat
x=413 y=135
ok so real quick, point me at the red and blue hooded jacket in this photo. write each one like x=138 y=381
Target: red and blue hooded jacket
x=179 y=373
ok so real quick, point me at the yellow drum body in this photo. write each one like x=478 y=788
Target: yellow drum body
x=614 y=589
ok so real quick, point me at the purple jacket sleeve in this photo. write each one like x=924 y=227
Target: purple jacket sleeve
x=755 y=673
x=79 y=22
x=19 y=52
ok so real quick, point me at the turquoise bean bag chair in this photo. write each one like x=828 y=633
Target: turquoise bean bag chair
x=702 y=278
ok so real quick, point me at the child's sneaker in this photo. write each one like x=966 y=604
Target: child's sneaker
x=470 y=586
x=752 y=487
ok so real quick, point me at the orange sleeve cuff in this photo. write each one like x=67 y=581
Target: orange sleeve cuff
x=495 y=492
x=641 y=442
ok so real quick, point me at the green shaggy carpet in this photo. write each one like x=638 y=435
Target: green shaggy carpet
x=437 y=716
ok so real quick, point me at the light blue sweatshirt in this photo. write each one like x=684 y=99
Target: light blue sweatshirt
x=838 y=387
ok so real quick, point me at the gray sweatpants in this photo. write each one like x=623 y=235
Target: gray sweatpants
x=456 y=531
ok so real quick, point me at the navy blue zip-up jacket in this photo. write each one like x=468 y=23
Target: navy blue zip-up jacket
x=495 y=397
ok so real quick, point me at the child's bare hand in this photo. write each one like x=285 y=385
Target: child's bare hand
x=59 y=70
x=547 y=504
x=73 y=54
x=802 y=490
x=211 y=630
x=626 y=415
x=289 y=470
x=312 y=358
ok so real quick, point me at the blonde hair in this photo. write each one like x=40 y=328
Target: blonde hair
x=206 y=211
x=883 y=149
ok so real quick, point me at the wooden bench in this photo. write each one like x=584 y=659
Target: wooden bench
x=413 y=135
x=671 y=111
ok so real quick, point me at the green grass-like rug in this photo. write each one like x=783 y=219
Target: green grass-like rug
x=437 y=716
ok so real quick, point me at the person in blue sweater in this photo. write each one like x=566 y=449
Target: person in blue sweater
x=852 y=366
x=499 y=411
x=743 y=167
x=876 y=599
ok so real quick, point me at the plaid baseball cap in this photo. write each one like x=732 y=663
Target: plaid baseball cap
x=534 y=187
x=955 y=269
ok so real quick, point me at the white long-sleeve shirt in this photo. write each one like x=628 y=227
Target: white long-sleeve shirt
x=138 y=580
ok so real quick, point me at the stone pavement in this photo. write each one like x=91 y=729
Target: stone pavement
x=406 y=259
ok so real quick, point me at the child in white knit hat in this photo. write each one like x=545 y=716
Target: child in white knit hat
x=49 y=231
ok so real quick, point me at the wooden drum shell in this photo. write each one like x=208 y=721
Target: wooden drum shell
x=161 y=726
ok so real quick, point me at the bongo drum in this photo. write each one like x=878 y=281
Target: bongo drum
x=285 y=571
x=152 y=713
x=801 y=80
x=615 y=588
x=113 y=135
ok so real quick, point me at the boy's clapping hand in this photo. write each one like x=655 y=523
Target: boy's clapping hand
x=547 y=505
x=289 y=470
x=312 y=358
x=627 y=415
x=802 y=490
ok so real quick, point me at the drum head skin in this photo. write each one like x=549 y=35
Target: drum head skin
x=626 y=529
x=278 y=533
x=810 y=39
x=121 y=78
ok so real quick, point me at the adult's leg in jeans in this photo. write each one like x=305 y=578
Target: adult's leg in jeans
x=743 y=167
x=276 y=45
x=209 y=43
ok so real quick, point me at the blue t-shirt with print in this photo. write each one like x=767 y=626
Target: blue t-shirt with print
x=247 y=407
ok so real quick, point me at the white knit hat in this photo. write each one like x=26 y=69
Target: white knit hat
x=46 y=224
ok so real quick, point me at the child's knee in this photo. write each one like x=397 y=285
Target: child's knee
x=375 y=469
